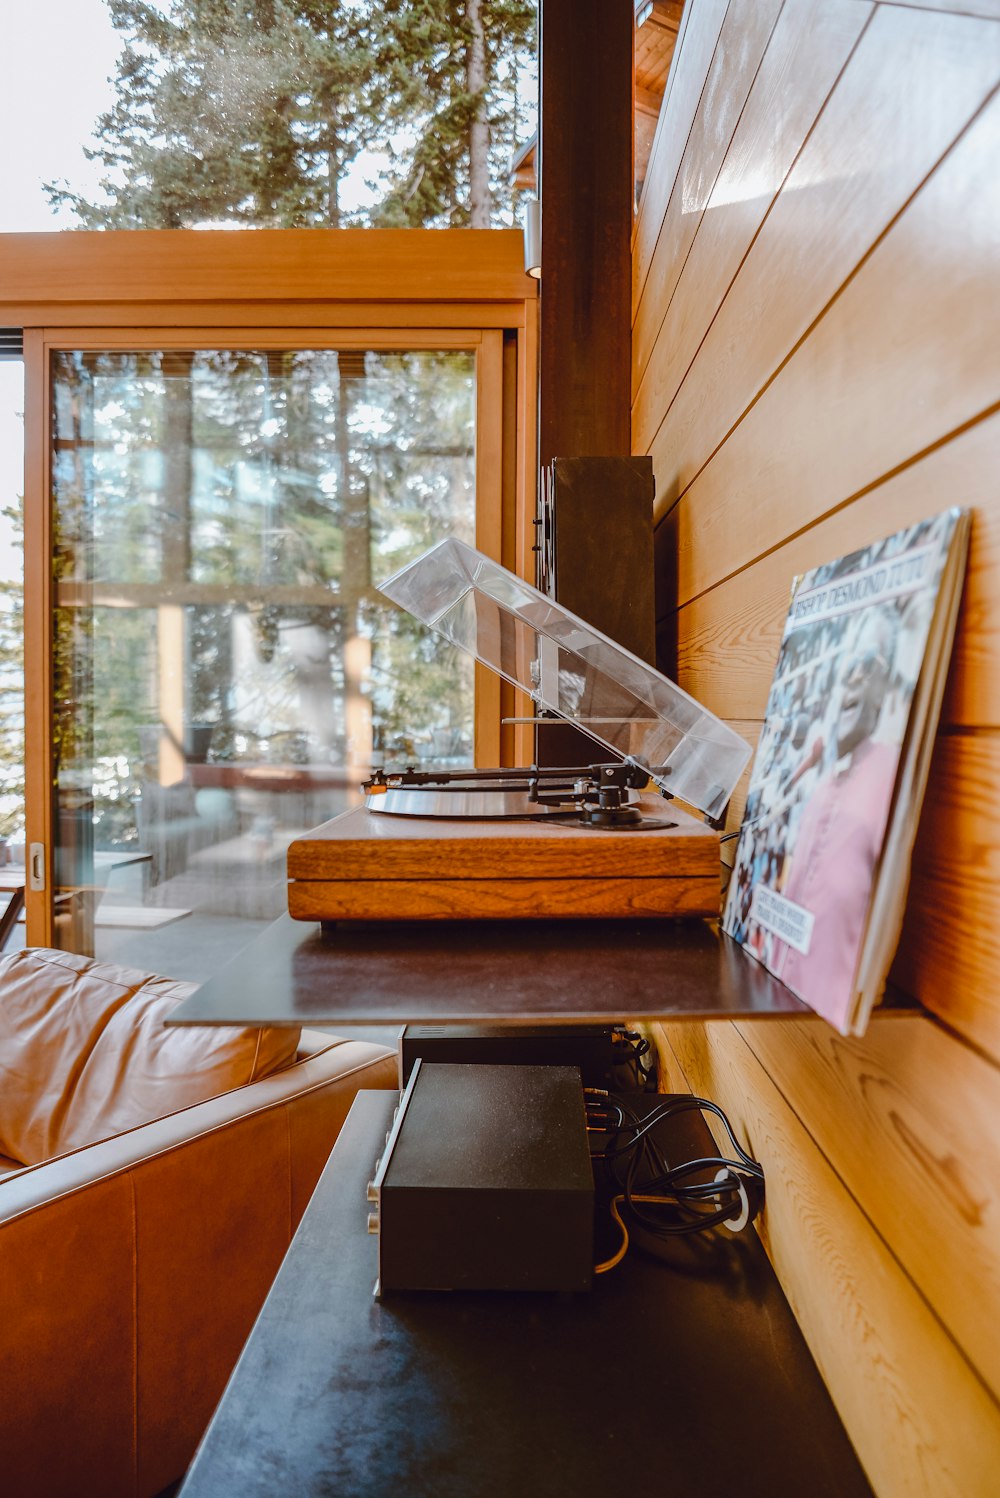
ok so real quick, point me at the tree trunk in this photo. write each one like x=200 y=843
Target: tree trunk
x=332 y=180
x=178 y=471
x=475 y=82
x=175 y=558
x=355 y=577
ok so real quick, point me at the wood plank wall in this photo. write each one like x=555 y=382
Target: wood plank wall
x=816 y=362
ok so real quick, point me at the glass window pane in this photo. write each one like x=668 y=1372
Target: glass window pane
x=225 y=671
x=12 y=871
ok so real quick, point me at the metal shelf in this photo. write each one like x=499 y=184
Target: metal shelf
x=493 y=972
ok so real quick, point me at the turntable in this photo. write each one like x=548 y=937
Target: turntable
x=605 y=839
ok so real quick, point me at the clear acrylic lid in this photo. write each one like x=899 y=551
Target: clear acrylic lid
x=572 y=670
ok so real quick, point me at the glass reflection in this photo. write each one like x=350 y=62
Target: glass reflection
x=225 y=671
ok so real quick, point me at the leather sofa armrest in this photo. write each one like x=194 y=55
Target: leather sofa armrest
x=131 y=1272
x=322 y=1061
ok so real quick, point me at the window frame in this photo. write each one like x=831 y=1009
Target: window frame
x=260 y=289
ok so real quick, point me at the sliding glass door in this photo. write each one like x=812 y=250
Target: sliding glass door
x=224 y=669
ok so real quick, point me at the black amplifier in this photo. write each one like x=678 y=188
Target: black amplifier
x=486 y=1182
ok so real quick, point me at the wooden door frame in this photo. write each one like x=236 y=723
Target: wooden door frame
x=462 y=289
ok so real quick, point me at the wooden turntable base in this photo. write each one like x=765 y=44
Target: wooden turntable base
x=368 y=866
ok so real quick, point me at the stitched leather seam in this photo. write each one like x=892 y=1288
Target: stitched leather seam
x=335 y=1041
x=256 y=1054
x=180 y=1144
x=288 y=1148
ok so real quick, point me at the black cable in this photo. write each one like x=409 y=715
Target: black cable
x=669 y=1203
x=690 y=1104
x=632 y=1048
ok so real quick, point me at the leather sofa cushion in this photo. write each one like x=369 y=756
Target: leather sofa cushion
x=84 y=1054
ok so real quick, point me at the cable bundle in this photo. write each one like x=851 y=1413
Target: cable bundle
x=629 y=1048
x=664 y=1199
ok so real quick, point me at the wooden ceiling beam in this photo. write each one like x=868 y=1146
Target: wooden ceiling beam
x=648 y=101
x=666 y=13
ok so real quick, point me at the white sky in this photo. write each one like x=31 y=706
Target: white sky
x=58 y=56
x=48 y=111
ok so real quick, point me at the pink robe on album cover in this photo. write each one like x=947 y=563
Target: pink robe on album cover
x=832 y=866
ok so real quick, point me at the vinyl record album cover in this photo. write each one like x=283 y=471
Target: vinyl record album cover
x=818 y=886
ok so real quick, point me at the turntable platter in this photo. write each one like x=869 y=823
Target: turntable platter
x=493 y=799
x=531 y=792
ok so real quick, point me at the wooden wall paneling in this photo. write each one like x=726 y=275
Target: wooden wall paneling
x=846 y=386
x=907 y=1118
x=729 y=637
x=742 y=45
x=949 y=952
x=810 y=44
x=915 y=80
x=949 y=948
x=696 y=43
x=904 y=357
x=988 y=9
x=920 y=1418
x=264 y=265
x=655 y=44
x=672 y=1077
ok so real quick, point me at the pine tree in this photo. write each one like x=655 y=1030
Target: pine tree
x=244 y=111
x=468 y=57
x=252 y=111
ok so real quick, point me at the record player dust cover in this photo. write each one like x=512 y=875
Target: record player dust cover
x=818 y=886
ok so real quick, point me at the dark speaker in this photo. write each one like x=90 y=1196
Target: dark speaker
x=591 y=1048
x=595 y=557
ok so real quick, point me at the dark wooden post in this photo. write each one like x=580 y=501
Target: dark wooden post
x=585 y=180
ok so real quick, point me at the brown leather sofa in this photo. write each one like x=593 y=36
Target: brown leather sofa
x=131 y=1272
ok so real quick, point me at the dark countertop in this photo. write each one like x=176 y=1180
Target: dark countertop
x=489 y=972
x=691 y=1380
